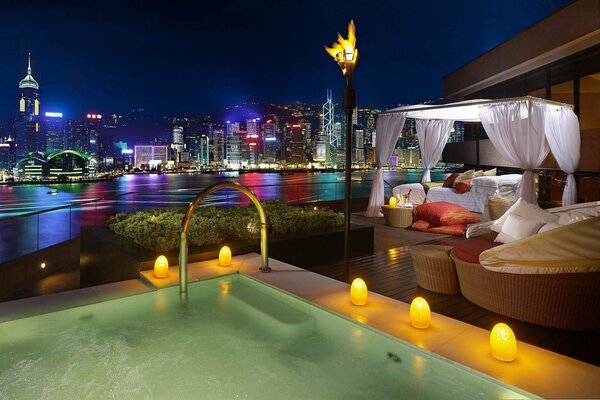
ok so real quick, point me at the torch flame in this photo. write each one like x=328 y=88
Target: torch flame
x=344 y=51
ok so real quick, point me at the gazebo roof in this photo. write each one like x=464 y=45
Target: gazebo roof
x=467 y=111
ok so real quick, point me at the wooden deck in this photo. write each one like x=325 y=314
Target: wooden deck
x=390 y=273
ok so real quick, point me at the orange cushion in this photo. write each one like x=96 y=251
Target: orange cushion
x=444 y=213
x=450 y=179
x=424 y=226
x=463 y=186
x=470 y=249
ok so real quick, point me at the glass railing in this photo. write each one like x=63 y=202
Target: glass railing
x=27 y=233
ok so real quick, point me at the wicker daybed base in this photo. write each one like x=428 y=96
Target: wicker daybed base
x=566 y=301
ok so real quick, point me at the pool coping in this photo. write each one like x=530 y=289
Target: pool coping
x=538 y=371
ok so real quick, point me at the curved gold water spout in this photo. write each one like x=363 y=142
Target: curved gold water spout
x=183 y=245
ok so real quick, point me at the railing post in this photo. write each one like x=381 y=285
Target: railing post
x=37 y=246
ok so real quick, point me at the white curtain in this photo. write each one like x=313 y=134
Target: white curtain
x=433 y=135
x=517 y=131
x=562 y=133
x=388 y=130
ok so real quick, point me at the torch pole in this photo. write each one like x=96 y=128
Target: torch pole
x=349 y=104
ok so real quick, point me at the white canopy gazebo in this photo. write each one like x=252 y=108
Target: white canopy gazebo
x=522 y=129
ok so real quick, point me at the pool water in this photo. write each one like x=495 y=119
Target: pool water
x=235 y=338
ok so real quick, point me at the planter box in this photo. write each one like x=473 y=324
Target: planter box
x=107 y=257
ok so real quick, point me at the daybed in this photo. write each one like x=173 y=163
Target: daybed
x=522 y=130
x=550 y=278
x=474 y=200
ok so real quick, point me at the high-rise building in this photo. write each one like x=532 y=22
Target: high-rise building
x=249 y=148
x=93 y=131
x=337 y=136
x=178 y=145
x=252 y=126
x=218 y=146
x=234 y=151
x=307 y=139
x=232 y=128
x=329 y=120
x=269 y=142
x=204 y=150
x=297 y=155
x=8 y=155
x=28 y=133
x=77 y=137
x=358 y=147
x=53 y=127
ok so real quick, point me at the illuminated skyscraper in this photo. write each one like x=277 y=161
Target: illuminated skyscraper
x=53 y=127
x=218 y=146
x=232 y=128
x=178 y=145
x=252 y=126
x=269 y=147
x=337 y=136
x=28 y=135
x=297 y=155
x=77 y=137
x=329 y=120
x=7 y=153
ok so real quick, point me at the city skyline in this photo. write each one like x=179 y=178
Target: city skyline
x=194 y=60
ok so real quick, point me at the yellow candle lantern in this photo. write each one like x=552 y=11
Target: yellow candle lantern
x=359 y=292
x=225 y=256
x=503 y=343
x=420 y=314
x=161 y=267
x=393 y=201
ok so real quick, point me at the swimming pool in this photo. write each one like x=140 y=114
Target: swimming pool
x=235 y=338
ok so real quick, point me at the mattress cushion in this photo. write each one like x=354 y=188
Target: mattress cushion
x=470 y=249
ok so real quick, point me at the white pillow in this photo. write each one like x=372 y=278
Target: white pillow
x=549 y=226
x=516 y=227
x=525 y=210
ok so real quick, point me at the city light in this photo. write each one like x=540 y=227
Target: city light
x=53 y=114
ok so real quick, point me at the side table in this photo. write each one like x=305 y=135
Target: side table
x=400 y=217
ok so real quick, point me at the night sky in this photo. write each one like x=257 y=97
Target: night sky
x=189 y=58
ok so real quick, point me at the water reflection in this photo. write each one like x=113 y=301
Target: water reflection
x=24 y=235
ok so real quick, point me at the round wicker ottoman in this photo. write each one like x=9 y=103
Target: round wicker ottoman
x=399 y=217
x=435 y=268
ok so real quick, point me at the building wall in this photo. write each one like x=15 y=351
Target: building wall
x=559 y=59
x=568 y=31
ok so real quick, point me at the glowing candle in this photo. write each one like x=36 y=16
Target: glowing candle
x=503 y=343
x=225 y=256
x=393 y=201
x=161 y=267
x=420 y=314
x=358 y=292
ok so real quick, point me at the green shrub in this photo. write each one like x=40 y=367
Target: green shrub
x=158 y=229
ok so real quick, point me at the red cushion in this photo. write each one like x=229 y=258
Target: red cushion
x=424 y=226
x=463 y=186
x=444 y=213
x=470 y=249
x=450 y=179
